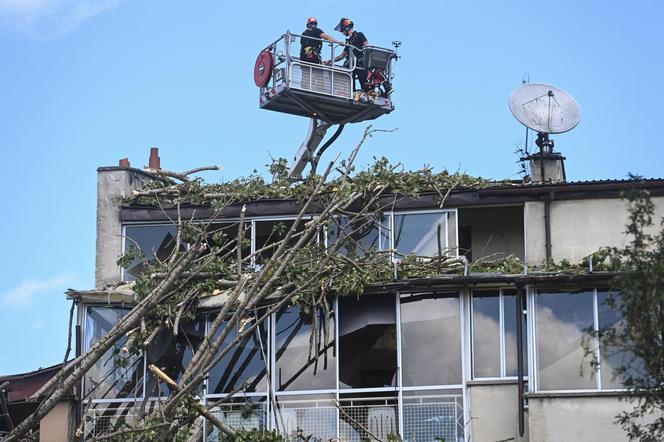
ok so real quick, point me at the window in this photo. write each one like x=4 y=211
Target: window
x=563 y=321
x=491 y=233
x=224 y=236
x=268 y=233
x=173 y=353
x=298 y=366
x=494 y=338
x=154 y=242
x=566 y=347
x=609 y=317
x=115 y=375
x=245 y=362
x=431 y=339
x=359 y=236
x=422 y=234
x=367 y=341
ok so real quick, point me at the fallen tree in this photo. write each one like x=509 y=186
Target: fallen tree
x=301 y=270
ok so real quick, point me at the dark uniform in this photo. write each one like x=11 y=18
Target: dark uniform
x=357 y=40
x=310 y=49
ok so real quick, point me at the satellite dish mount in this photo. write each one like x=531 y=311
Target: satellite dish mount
x=546 y=110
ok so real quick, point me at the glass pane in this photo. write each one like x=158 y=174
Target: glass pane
x=173 y=353
x=155 y=242
x=113 y=376
x=509 y=321
x=224 y=236
x=419 y=234
x=300 y=367
x=271 y=232
x=367 y=341
x=359 y=236
x=431 y=339
x=563 y=321
x=307 y=417
x=244 y=363
x=612 y=358
x=486 y=334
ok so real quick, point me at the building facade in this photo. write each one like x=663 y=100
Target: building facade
x=478 y=356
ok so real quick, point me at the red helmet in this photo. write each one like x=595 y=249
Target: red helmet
x=345 y=24
x=311 y=21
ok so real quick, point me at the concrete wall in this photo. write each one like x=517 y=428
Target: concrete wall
x=113 y=184
x=578 y=228
x=495 y=231
x=494 y=412
x=585 y=419
x=58 y=424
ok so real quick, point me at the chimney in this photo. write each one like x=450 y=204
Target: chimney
x=124 y=163
x=546 y=166
x=154 y=162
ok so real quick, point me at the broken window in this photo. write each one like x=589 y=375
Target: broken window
x=367 y=341
x=431 y=339
x=301 y=364
x=117 y=374
x=148 y=245
x=172 y=353
x=491 y=233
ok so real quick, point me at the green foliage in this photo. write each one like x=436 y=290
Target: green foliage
x=132 y=254
x=508 y=265
x=253 y=436
x=638 y=342
x=254 y=187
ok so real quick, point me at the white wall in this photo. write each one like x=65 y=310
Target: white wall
x=585 y=419
x=112 y=186
x=494 y=413
x=579 y=227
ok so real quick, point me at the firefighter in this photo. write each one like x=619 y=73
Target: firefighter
x=358 y=41
x=310 y=48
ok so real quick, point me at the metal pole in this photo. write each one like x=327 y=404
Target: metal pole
x=519 y=357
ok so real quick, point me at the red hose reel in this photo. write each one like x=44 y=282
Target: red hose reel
x=263 y=68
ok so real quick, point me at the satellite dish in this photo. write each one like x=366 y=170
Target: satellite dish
x=545 y=109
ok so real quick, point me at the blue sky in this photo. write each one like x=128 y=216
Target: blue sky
x=87 y=82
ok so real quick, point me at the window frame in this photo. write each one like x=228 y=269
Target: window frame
x=455 y=248
x=502 y=348
x=85 y=348
x=533 y=350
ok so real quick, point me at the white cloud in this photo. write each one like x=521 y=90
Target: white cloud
x=23 y=294
x=58 y=16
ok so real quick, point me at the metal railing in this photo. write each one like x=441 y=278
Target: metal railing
x=430 y=418
x=330 y=77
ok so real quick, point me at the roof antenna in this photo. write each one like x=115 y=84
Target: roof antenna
x=524 y=81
